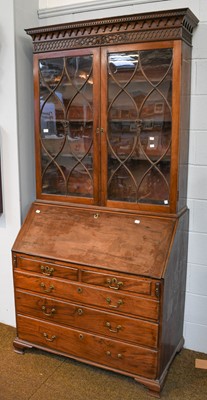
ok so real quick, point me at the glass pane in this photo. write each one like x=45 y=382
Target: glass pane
x=66 y=124
x=139 y=126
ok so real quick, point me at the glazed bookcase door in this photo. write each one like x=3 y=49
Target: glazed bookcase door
x=66 y=125
x=138 y=126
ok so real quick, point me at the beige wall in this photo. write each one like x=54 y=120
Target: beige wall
x=16 y=104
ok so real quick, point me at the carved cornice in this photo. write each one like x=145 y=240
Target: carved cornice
x=165 y=25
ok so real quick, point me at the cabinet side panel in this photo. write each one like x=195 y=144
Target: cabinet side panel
x=36 y=123
x=174 y=295
x=184 y=124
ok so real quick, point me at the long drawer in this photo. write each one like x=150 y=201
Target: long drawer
x=86 y=294
x=109 y=324
x=98 y=349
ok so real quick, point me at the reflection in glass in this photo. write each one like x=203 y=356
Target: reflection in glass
x=139 y=125
x=66 y=124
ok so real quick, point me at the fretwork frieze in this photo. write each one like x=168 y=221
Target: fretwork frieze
x=104 y=40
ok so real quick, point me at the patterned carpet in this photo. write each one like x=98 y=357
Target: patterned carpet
x=38 y=375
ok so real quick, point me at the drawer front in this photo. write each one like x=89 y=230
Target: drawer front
x=121 y=283
x=120 y=302
x=116 y=326
x=98 y=349
x=47 y=268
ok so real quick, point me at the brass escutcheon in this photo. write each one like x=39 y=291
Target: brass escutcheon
x=96 y=216
x=81 y=336
x=79 y=290
x=80 y=311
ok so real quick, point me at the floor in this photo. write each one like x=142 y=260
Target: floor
x=39 y=375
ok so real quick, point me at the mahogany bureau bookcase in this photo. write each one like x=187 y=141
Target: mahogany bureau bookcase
x=100 y=261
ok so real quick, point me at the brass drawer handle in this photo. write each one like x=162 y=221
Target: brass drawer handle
x=48 y=339
x=46 y=270
x=115 y=330
x=119 y=303
x=42 y=285
x=114 y=284
x=80 y=311
x=108 y=353
x=48 y=314
x=157 y=290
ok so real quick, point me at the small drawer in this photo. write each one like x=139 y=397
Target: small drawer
x=119 y=282
x=84 y=294
x=97 y=349
x=47 y=268
x=108 y=324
